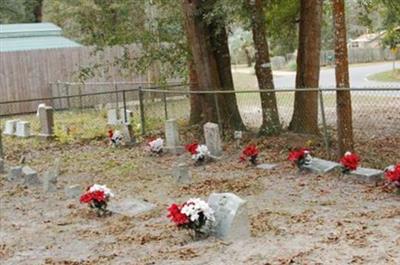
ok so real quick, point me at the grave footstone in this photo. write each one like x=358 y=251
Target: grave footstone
x=231 y=216
x=10 y=127
x=73 y=191
x=129 y=116
x=321 y=166
x=15 y=173
x=30 y=176
x=213 y=139
x=182 y=173
x=50 y=177
x=112 y=117
x=130 y=207
x=46 y=121
x=173 y=144
x=267 y=166
x=368 y=174
x=23 y=129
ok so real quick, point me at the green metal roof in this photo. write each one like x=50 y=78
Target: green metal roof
x=33 y=36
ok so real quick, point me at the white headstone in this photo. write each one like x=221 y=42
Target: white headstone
x=10 y=127
x=368 y=174
x=231 y=216
x=320 y=166
x=182 y=173
x=173 y=143
x=213 y=139
x=14 y=174
x=112 y=117
x=73 y=191
x=46 y=121
x=23 y=129
x=129 y=116
x=30 y=176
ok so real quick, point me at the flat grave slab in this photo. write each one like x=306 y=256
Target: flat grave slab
x=267 y=166
x=130 y=207
x=321 y=166
x=369 y=174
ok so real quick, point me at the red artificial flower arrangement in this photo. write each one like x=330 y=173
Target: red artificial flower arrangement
x=192 y=148
x=350 y=161
x=174 y=213
x=97 y=196
x=300 y=157
x=250 y=152
x=392 y=174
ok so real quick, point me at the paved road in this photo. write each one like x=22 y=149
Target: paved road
x=358 y=76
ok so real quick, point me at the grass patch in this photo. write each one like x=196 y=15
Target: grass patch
x=389 y=76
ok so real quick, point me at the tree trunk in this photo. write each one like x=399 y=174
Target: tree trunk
x=343 y=98
x=211 y=64
x=195 y=99
x=305 y=114
x=248 y=57
x=38 y=11
x=270 y=116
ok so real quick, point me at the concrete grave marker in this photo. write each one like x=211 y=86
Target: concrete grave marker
x=182 y=173
x=368 y=174
x=267 y=166
x=30 y=176
x=130 y=207
x=46 y=121
x=173 y=143
x=213 y=139
x=15 y=173
x=73 y=191
x=231 y=216
x=50 y=177
x=23 y=129
x=112 y=117
x=320 y=166
x=128 y=135
x=10 y=127
x=129 y=116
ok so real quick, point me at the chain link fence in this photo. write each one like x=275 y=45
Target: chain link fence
x=81 y=110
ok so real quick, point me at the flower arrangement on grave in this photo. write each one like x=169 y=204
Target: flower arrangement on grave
x=250 y=153
x=350 y=161
x=199 y=151
x=195 y=214
x=114 y=137
x=97 y=197
x=156 y=146
x=300 y=157
x=392 y=175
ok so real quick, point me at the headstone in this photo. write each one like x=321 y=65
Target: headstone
x=23 y=129
x=213 y=139
x=112 y=117
x=50 y=177
x=30 y=176
x=130 y=207
x=231 y=216
x=267 y=166
x=320 y=166
x=1 y=166
x=182 y=173
x=46 y=121
x=14 y=174
x=173 y=143
x=73 y=191
x=128 y=135
x=10 y=127
x=238 y=137
x=129 y=116
x=368 y=174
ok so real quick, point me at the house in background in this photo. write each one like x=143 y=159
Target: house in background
x=369 y=40
x=33 y=36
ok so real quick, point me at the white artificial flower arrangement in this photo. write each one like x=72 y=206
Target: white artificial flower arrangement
x=201 y=152
x=103 y=188
x=194 y=207
x=157 y=145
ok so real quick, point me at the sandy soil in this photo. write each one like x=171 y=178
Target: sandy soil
x=295 y=218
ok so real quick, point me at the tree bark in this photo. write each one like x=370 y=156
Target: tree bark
x=212 y=65
x=195 y=99
x=343 y=97
x=38 y=11
x=270 y=116
x=305 y=113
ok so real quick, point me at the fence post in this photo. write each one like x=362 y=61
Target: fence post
x=165 y=105
x=67 y=92
x=116 y=96
x=218 y=113
x=80 y=96
x=141 y=107
x=124 y=102
x=326 y=140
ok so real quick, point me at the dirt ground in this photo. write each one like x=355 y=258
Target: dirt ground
x=295 y=218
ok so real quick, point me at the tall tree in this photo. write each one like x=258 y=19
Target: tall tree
x=209 y=48
x=305 y=114
x=38 y=10
x=270 y=116
x=343 y=96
